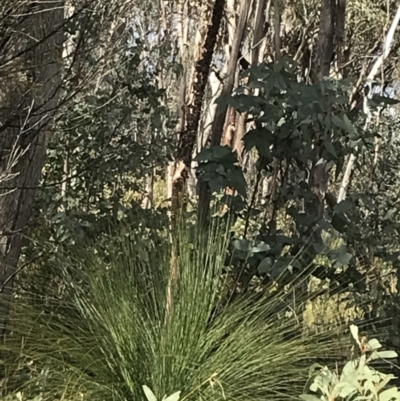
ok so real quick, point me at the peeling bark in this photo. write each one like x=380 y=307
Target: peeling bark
x=256 y=57
x=188 y=138
x=220 y=116
x=188 y=135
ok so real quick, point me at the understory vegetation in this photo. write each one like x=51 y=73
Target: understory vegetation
x=199 y=200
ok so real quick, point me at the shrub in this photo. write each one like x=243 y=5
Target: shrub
x=111 y=331
x=358 y=380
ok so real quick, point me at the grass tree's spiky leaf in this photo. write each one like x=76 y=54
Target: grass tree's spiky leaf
x=111 y=331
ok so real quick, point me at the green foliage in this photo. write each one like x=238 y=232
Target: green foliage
x=218 y=166
x=151 y=397
x=300 y=135
x=107 y=141
x=358 y=380
x=106 y=330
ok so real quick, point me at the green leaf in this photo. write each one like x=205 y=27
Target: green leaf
x=389 y=214
x=347 y=390
x=149 y=394
x=344 y=206
x=261 y=247
x=389 y=394
x=330 y=149
x=281 y=265
x=216 y=153
x=384 y=100
x=338 y=122
x=173 y=397
x=260 y=139
x=343 y=259
x=387 y=354
x=309 y=397
x=265 y=265
x=374 y=344
x=349 y=126
x=354 y=334
x=339 y=222
x=236 y=180
x=243 y=245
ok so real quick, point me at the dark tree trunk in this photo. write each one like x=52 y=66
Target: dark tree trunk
x=29 y=86
x=188 y=135
x=325 y=38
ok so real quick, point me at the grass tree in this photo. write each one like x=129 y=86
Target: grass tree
x=104 y=335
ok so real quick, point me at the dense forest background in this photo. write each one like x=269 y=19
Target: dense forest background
x=251 y=144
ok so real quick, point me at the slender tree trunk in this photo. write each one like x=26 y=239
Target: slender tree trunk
x=188 y=137
x=27 y=100
x=340 y=35
x=220 y=115
x=256 y=57
x=277 y=31
x=325 y=38
x=148 y=198
x=374 y=71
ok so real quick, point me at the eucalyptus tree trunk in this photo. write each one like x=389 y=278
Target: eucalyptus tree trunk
x=188 y=135
x=30 y=69
x=372 y=74
x=325 y=38
x=222 y=109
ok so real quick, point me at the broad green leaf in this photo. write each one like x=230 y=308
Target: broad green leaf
x=338 y=122
x=340 y=257
x=389 y=394
x=173 y=397
x=349 y=126
x=354 y=333
x=260 y=247
x=387 y=354
x=330 y=148
x=242 y=245
x=236 y=180
x=344 y=206
x=347 y=390
x=149 y=394
x=389 y=214
x=309 y=397
x=216 y=153
x=350 y=367
x=265 y=265
x=374 y=344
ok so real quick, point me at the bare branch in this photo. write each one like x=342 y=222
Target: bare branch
x=374 y=71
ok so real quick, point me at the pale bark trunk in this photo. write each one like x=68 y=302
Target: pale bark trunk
x=147 y=201
x=221 y=111
x=205 y=133
x=374 y=71
x=219 y=121
x=168 y=181
x=27 y=101
x=229 y=129
x=256 y=57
